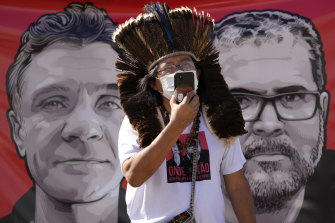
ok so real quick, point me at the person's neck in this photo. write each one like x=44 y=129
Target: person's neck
x=50 y=210
x=287 y=214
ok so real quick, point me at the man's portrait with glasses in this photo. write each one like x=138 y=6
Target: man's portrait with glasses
x=274 y=64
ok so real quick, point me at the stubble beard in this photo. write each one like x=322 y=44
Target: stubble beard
x=272 y=192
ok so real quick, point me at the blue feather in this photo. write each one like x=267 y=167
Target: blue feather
x=150 y=9
x=164 y=23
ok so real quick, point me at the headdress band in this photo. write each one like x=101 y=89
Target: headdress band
x=171 y=55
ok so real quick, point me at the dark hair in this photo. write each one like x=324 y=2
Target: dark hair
x=146 y=94
x=257 y=27
x=78 y=23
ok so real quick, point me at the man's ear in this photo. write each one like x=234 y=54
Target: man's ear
x=17 y=132
x=324 y=103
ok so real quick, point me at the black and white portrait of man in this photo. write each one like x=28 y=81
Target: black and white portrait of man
x=274 y=64
x=65 y=116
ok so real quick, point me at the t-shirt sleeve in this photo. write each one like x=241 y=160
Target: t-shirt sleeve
x=128 y=143
x=233 y=159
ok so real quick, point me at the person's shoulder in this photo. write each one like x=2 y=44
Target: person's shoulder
x=7 y=219
x=320 y=191
x=328 y=155
x=125 y=121
x=23 y=210
x=326 y=168
x=126 y=127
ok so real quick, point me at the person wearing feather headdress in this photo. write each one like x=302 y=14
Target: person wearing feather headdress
x=154 y=48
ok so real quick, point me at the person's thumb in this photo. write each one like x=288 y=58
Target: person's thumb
x=173 y=100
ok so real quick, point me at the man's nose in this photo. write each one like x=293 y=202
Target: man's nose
x=82 y=124
x=268 y=124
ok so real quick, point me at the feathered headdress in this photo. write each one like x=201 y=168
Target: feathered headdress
x=157 y=35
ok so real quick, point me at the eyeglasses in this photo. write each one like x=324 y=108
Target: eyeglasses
x=292 y=106
x=170 y=69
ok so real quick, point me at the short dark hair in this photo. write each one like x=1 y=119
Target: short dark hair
x=78 y=23
x=241 y=28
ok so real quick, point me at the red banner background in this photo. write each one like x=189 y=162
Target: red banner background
x=16 y=15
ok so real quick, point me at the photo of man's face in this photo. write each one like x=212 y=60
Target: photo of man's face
x=283 y=144
x=71 y=115
x=189 y=151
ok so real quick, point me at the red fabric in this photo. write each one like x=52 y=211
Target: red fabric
x=16 y=15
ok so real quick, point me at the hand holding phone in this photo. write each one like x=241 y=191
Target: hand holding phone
x=183 y=83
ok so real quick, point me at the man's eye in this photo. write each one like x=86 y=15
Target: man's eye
x=53 y=105
x=108 y=106
x=293 y=97
x=245 y=101
x=296 y=100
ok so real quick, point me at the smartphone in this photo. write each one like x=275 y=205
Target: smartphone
x=183 y=83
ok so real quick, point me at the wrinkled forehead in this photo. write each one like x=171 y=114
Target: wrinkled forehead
x=73 y=66
x=275 y=37
x=78 y=59
x=279 y=51
x=269 y=66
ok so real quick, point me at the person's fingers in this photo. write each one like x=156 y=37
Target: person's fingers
x=194 y=100
x=185 y=100
x=197 y=105
x=189 y=97
x=173 y=100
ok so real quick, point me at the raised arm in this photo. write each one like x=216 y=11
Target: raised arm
x=144 y=164
x=239 y=193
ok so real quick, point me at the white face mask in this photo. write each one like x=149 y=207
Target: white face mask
x=168 y=83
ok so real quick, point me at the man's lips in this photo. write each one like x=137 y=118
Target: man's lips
x=81 y=161
x=268 y=157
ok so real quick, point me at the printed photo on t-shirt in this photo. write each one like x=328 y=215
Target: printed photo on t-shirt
x=179 y=160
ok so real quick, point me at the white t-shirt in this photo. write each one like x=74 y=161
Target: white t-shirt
x=167 y=192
